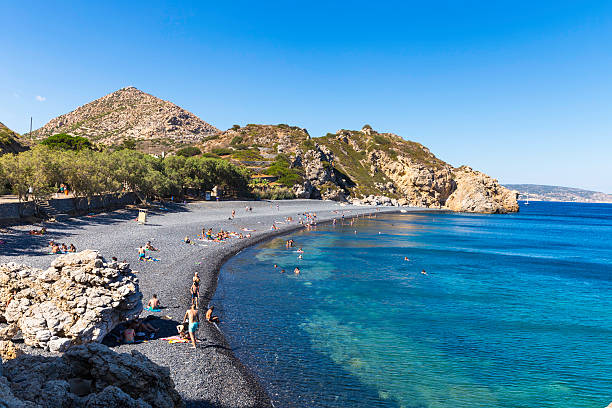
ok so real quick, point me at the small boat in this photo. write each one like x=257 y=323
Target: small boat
x=527 y=199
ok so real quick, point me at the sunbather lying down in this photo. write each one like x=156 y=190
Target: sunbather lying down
x=41 y=231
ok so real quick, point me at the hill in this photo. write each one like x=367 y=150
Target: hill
x=539 y=192
x=361 y=165
x=10 y=141
x=129 y=113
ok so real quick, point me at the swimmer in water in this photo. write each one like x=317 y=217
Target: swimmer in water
x=406 y=258
x=296 y=270
x=300 y=256
x=282 y=271
x=275 y=266
x=423 y=272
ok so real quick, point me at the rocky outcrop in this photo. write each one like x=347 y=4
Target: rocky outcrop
x=477 y=192
x=79 y=299
x=88 y=376
x=129 y=113
x=383 y=167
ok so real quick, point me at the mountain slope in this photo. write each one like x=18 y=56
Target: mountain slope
x=131 y=113
x=10 y=141
x=356 y=165
x=539 y=192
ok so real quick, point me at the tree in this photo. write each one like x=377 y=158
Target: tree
x=65 y=141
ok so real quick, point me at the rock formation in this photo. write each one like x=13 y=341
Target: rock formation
x=79 y=299
x=88 y=376
x=477 y=192
x=130 y=113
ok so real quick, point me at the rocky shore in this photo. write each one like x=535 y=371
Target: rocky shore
x=209 y=375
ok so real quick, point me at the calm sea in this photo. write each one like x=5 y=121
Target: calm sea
x=514 y=311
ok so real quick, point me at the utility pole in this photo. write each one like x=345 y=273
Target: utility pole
x=30 y=127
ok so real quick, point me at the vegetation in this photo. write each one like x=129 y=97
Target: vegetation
x=237 y=140
x=274 y=193
x=65 y=141
x=221 y=151
x=128 y=143
x=236 y=127
x=281 y=169
x=87 y=173
x=247 y=155
x=188 y=151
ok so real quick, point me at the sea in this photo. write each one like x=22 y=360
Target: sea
x=430 y=309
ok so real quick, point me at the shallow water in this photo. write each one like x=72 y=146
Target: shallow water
x=515 y=311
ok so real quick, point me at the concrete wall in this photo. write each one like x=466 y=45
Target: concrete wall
x=17 y=211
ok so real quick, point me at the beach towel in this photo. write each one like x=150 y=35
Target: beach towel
x=175 y=339
x=248 y=230
x=152 y=310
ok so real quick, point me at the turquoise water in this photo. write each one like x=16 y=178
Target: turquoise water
x=515 y=311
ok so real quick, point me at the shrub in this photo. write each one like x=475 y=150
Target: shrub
x=381 y=140
x=65 y=141
x=188 y=151
x=236 y=127
x=221 y=151
x=276 y=193
x=128 y=143
x=247 y=154
x=237 y=140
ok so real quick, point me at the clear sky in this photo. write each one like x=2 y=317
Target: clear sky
x=521 y=90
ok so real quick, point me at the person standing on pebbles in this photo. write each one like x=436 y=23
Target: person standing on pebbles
x=194 y=322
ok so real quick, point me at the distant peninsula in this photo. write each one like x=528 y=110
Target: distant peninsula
x=537 y=192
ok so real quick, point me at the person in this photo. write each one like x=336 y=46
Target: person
x=129 y=333
x=210 y=317
x=300 y=256
x=194 y=322
x=55 y=249
x=114 y=259
x=275 y=266
x=150 y=247
x=300 y=251
x=233 y=214
x=296 y=270
x=64 y=248
x=181 y=332
x=196 y=279
x=187 y=240
x=423 y=272
x=406 y=258
x=141 y=253
x=72 y=248
x=195 y=293
x=153 y=302
x=143 y=326
x=282 y=271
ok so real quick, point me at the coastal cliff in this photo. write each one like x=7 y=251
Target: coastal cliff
x=363 y=167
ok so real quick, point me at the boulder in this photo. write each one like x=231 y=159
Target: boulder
x=79 y=299
x=87 y=376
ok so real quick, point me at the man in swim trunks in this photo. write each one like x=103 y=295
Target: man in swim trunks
x=141 y=253
x=194 y=323
x=195 y=293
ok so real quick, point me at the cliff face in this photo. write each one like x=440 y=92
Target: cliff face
x=130 y=113
x=350 y=165
x=384 y=164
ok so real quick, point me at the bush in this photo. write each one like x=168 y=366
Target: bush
x=188 y=151
x=286 y=175
x=276 y=193
x=381 y=140
x=222 y=151
x=247 y=155
x=236 y=127
x=128 y=143
x=237 y=140
x=65 y=141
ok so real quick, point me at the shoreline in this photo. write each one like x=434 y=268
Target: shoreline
x=211 y=375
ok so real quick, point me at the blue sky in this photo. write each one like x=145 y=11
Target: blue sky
x=519 y=90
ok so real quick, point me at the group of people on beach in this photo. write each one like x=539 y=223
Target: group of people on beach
x=191 y=320
x=61 y=248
